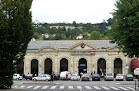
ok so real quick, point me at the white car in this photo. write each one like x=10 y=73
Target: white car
x=17 y=77
x=119 y=77
x=43 y=77
x=75 y=77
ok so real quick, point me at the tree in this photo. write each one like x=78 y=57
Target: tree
x=95 y=35
x=57 y=37
x=36 y=35
x=74 y=24
x=110 y=22
x=125 y=28
x=15 y=34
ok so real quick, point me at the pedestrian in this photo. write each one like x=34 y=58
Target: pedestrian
x=81 y=74
x=102 y=75
x=23 y=75
x=91 y=74
x=52 y=77
x=66 y=76
x=94 y=72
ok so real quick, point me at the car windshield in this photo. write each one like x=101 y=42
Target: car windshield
x=129 y=75
x=119 y=75
x=73 y=75
x=85 y=74
x=29 y=74
x=109 y=74
x=95 y=74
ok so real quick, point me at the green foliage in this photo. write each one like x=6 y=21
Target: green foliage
x=41 y=38
x=15 y=33
x=95 y=35
x=57 y=37
x=70 y=32
x=125 y=28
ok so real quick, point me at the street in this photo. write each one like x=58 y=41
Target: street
x=29 y=85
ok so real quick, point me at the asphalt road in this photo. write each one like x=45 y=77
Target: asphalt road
x=23 y=85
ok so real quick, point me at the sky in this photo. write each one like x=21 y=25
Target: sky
x=67 y=11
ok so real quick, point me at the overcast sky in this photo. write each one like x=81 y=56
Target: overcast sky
x=85 y=11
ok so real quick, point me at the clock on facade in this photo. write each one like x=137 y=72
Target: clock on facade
x=82 y=45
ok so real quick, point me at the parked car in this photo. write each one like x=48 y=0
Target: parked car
x=63 y=75
x=96 y=77
x=85 y=77
x=17 y=77
x=43 y=77
x=119 y=77
x=108 y=76
x=75 y=77
x=56 y=77
x=129 y=77
x=29 y=76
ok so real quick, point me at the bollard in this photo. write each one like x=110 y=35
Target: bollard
x=135 y=84
x=138 y=81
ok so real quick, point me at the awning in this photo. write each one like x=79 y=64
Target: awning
x=134 y=63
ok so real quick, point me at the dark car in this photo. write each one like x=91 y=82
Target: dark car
x=85 y=77
x=129 y=77
x=29 y=76
x=96 y=77
x=56 y=77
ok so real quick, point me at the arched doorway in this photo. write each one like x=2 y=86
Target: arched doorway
x=34 y=67
x=82 y=66
x=101 y=66
x=20 y=68
x=48 y=66
x=63 y=65
x=117 y=66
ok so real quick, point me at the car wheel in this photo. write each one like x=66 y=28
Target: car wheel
x=35 y=79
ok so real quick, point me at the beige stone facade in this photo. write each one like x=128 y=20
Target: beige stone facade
x=73 y=54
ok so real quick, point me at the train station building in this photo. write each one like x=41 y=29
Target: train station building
x=75 y=56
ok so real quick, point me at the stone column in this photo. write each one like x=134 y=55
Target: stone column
x=94 y=65
x=71 y=64
x=58 y=65
x=40 y=65
x=110 y=64
x=107 y=66
x=56 y=69
x=27 y=65
x=75 y=63
x=89 y=65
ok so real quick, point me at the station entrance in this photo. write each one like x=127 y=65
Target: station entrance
x=101 y=66
x=48 y=66
x=117 y=66
x=63 y=65
x=34 y=67
x=82 y=66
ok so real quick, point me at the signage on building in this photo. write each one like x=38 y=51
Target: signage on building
x=82 y=64
x=127 y=67
x=92 y=52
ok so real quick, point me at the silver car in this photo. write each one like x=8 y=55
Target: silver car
x=119 y=77
x=109 y=76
